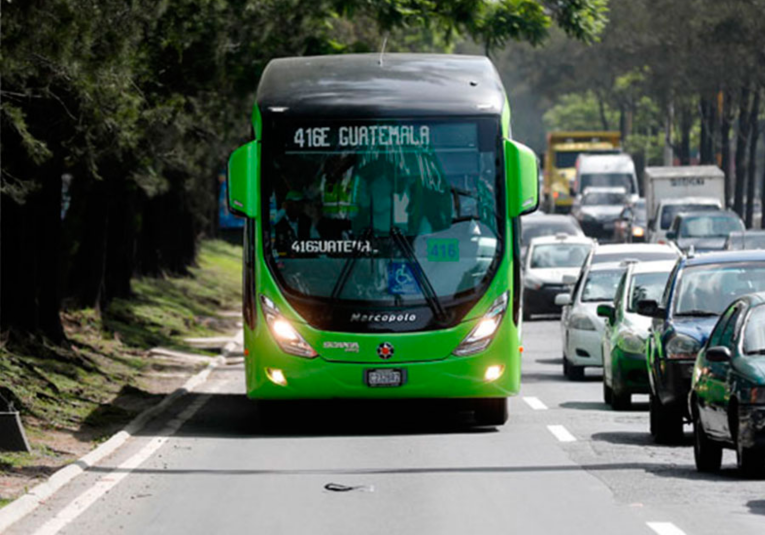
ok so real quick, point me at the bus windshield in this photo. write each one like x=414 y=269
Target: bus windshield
x=383 y=213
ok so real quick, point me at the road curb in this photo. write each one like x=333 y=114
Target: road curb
x=21 y=507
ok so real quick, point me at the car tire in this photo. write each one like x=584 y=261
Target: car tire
x=706 y=452
x=621 y=401
x=572 y=373
x=490 y=411
x=666 y=422
x=607 y=393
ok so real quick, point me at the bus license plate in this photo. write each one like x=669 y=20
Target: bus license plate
x=385 y=377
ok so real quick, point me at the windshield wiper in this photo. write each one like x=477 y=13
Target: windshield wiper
x=419 y=274
x=345 y=273
x=697 y=313
x=756 y=352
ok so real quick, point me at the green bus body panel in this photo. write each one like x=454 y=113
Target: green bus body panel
x=522 y=179
x=243 y=183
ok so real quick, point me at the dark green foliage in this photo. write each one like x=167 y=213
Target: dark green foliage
x=141 y=102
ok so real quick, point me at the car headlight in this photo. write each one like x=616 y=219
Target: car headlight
x=581 y=322
x=532 y=283
x=483 y=333
x=682 y=346
x=284 y=333
x=629 y=342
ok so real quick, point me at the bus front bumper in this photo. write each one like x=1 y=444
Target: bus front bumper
x=452 y=377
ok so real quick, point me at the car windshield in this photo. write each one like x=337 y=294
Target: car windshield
x=559 y=255
x=607 y=180
x=537 y=227
x=709 y=226
x=709 y=289
x=379 y=212
x=601 y=285
x=646 y=286
x=669 y=211
x=754 y=335
x=633 y=254
x=599 y=198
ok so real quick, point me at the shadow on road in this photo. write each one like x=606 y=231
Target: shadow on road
x=756 y=507
x=555 y=362
x=639 y=438
x=235 y=416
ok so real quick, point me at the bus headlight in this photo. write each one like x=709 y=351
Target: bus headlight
x=283 y=332
x=483 y=333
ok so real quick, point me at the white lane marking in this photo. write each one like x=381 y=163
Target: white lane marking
x=535 y=403
x=561 y=433
x=665 y=528
x=82 y=502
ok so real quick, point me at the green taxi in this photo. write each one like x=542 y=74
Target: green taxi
x=727 y=399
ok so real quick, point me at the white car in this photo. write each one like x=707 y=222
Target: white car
x=641 y=252
x=581 y=328
x=550 y=266
x=659 y=224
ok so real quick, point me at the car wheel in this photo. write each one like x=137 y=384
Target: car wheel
x=666 y=422
x=706 y=453
x=607 y=393
x=750 y=461
x=575 y=373
x=490 y=411
x=621 y=401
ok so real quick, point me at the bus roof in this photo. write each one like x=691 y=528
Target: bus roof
x=401 y=85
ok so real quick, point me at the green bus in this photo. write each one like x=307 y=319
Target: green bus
x=382 y=197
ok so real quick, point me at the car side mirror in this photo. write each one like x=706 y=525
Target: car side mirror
x=718 y=354
x=569 y=279
x=650 y=308
x=607 y=311
x=671 y=235
x=522 y=179
x=563 y=300
x=243 y=183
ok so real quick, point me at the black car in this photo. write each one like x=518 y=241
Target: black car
x=697 y=292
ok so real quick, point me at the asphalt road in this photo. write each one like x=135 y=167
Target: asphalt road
x=564 y=463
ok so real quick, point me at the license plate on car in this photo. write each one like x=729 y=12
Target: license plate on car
x=385 y=377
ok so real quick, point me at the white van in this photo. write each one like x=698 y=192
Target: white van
x=606 y=171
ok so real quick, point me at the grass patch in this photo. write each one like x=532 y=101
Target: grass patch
x=100 y=380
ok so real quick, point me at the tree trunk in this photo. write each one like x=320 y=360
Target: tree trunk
x=754 y=133
x=669 y=123
x=686 y=122
x=86 y=276
x=31 y=248
x=602 y=110
x=120 y=241
x=725 y=126
x=742 y=141
x=708 y=121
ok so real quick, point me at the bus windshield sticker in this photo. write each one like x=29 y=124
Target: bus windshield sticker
x=443 y=250
x=332 y=246
x=401 y=280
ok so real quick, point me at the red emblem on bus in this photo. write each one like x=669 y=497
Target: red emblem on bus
x=385 y=351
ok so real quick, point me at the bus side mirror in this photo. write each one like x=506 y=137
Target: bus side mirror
x=243 y=171
x=522 y=179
